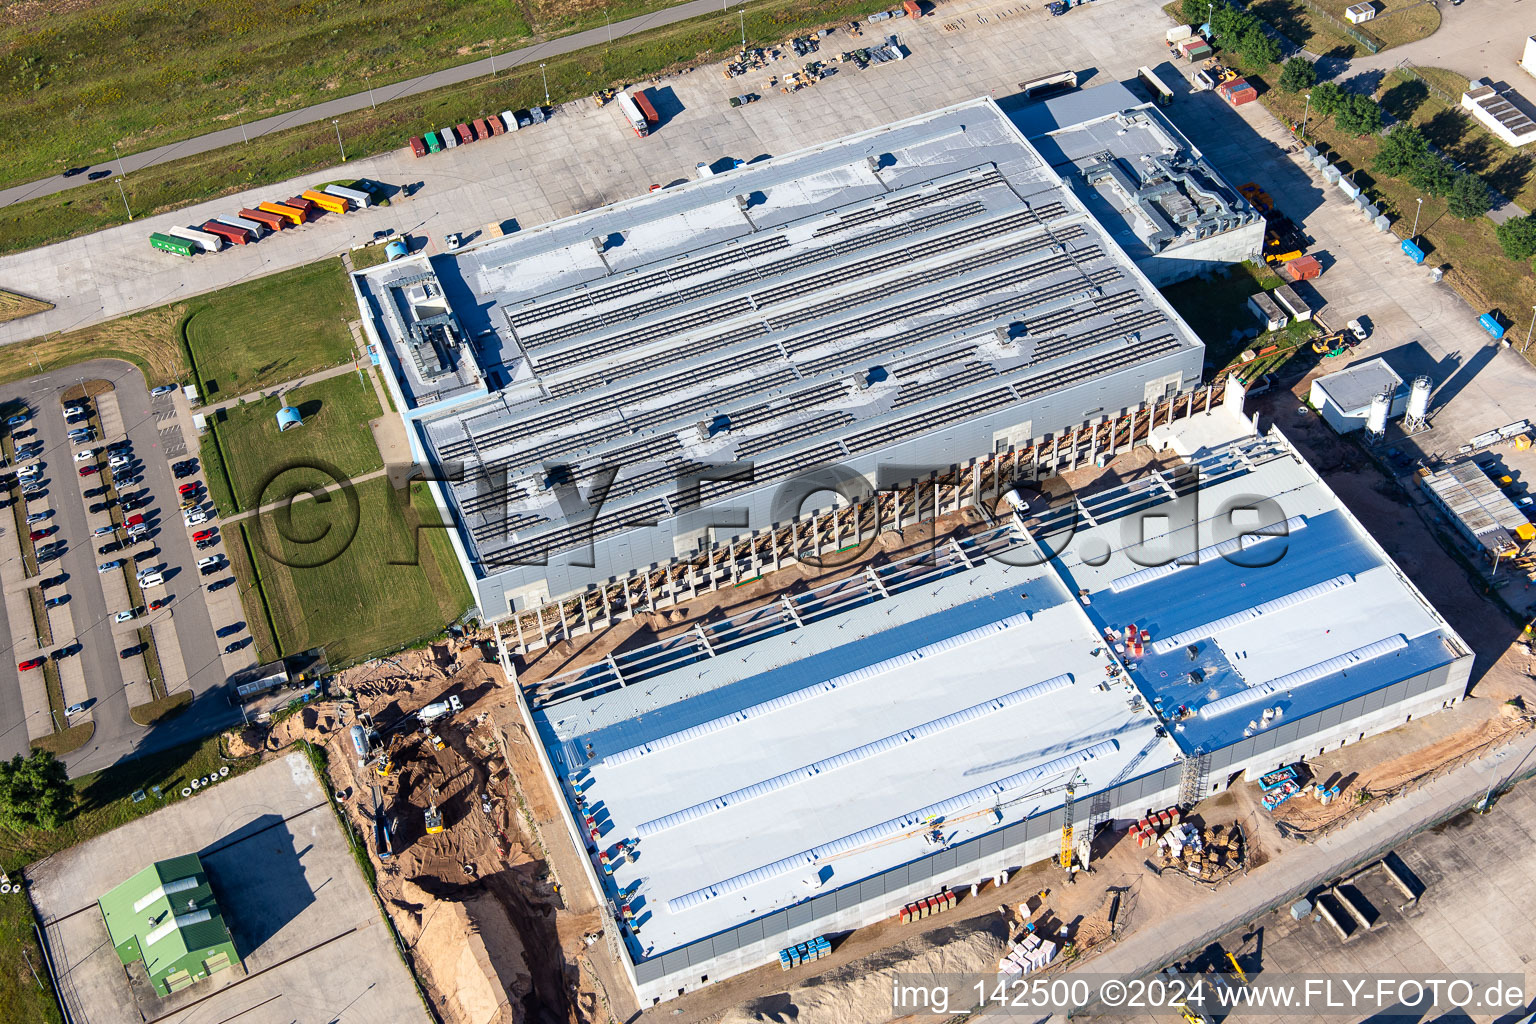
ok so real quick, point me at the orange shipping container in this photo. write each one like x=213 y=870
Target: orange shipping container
x=288 y=213
x=326 y=201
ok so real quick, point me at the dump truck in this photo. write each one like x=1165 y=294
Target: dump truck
x=632 y=113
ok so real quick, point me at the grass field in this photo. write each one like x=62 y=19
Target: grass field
x=1396 y=22
x=271 y=330
x=288 y=154
x=147 y=340
x=1478 y=268
x=372 y=581
x=26 y=997
x=14 y=307
x=335 y=433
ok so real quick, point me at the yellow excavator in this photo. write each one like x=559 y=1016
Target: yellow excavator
x=433 y=816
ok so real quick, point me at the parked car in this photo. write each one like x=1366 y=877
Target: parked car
x=34 y=518
x=187 y=489
x=106 y=567
x=195 y=517
x=54 y=581
x=54 y=602
x=69 y=650
x=31 y=663
x=89 y=470
x=231 y=629
x=102 y=531
x=203 y=563
x=210 y=570
x=237 y=645
x=74 y=410
x=84 y=454
x=163 y=389
x=75 y=709
x=96 y=492
x=110 y=547
x=205 y=534
x=159 y=602
x=122 y=444
x=221 y=584
x=38 y=535
x=100 y=506
x=129 y=652
x=1356 y=329
x=128 y=616
x=18 y=419
x=184 y=468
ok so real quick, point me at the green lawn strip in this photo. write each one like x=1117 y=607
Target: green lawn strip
x=1396 y=22
x=14 y=306
x=160 y=708
x=312 y=148
x=258 y=614
x=369 y=256
x=1448 y=127
x=55 y=694
x=334 y=436
x=1478 y=268
x=23 y=531
x=40 y=615
x=26 y=995
x=270 y=330
x=151 y=658
x=65 y=741
x=437 y=556
x=360 y=593
x=105 y=798
x=210 y=453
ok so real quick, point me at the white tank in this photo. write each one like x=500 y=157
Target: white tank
x=1418 y=398
x=1376 y=419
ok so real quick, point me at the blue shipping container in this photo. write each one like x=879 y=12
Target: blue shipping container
x=1491 y=325
x=1414 y=252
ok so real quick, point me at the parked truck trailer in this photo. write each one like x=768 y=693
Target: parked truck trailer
x=325 y=201
x=168 y=243
x=632 y=112
x=228 y=232
x=291 y=214
x=358 y=198
x=206 y=241
x=274 y=222
x=255 y=227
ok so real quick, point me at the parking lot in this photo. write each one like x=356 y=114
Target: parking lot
x=125 y=581
x=303 y=921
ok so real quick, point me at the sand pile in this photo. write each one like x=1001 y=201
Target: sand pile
x=467 y=947
x=861 y=991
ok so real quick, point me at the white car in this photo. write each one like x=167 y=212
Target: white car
x=116 y=461
x=1355 y=329
x=155 y=570
x=84 y=454
x=74 y=410
x=452 y=240
x=154 y=579
x=195 y=517
x=203 y=563
x=163 y=389
x=126 y=616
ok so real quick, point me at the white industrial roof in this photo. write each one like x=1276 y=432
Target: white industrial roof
x=1353 y=388
x=814 y=741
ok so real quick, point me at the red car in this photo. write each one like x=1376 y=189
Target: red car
x=31 y=663
x=187 y=489
x=89 y=470
x=159 y=603
x=202 y=535
x=45 y=531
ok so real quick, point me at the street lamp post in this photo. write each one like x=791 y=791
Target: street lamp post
x=545 y=75
x=743 y=12
x=1416 y=211
x=120 y=192
x=1529 y=330
x=336 y=123
x=119 y=159
x=368 y=80
x=1305 y=112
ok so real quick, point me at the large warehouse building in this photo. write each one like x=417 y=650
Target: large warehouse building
x=812 y=764
x=634 y=384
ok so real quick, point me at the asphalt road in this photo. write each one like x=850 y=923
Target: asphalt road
x=361 y=100
x=117 y=736
x=13 y=724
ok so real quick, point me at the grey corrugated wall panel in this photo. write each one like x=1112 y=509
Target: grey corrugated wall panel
x=647 y=971
x=799 y=914
x=675 y=960
x=1373 y=701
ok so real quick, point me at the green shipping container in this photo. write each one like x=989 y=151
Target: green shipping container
x=180 y=246
x=434 y=144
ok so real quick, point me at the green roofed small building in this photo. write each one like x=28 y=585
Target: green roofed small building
x=166 y=916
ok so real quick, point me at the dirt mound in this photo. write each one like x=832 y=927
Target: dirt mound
x=244 y=742
x=861 y=990
x=472 y=954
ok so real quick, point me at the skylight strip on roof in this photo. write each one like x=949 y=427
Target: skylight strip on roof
x=1209 y=553
x=807 y=692
x=887 y=829
x=1258 y=611
x=164 y=889
x=1301 y=677
x=847 y=757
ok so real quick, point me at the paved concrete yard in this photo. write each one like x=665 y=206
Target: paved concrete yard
x=313 y=943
